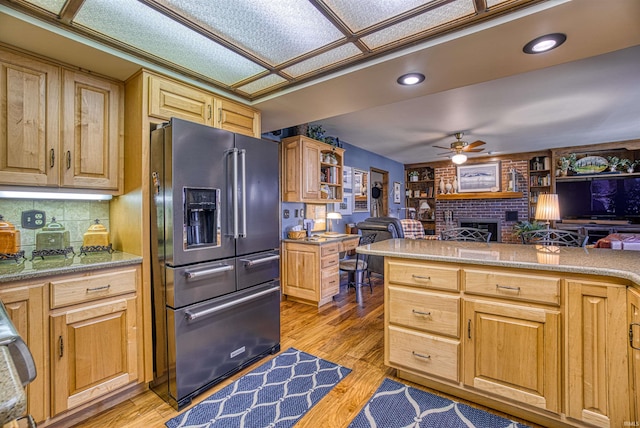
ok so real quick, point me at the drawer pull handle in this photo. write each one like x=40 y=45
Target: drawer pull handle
x=415 y=354
x=631 y=335
x=208 y=272
x=104 y=287
x=421 y=313
x=428 y=278
x=507 y=287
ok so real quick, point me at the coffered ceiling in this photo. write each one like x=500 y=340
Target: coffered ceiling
x=335 y=62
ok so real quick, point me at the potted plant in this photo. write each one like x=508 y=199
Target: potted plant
x=567 y=163
x=614 y=163
x=525 y=226
x=316 y=132
x=413 y=175
x=632 y=166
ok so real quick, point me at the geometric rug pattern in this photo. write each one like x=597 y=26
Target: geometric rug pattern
x=397 y=405
x=275 y=394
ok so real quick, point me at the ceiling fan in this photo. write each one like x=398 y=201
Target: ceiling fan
x=459 y=147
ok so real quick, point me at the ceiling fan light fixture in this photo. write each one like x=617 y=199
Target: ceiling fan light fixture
x=459 y=158
x=544 y=43
x=411 y=79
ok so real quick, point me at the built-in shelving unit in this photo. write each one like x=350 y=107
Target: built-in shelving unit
x=420 y=196
x=540 y=181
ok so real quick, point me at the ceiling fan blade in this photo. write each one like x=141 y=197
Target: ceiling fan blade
x=443 y=148
x=473 y=150
x=444 y=154
x=475 y=144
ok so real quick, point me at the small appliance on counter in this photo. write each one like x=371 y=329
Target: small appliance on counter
x=52 y=240
x=96 y=239
x=9 y=241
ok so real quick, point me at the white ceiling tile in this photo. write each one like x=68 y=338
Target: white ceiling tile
x=54 y=6
x=134 y=24
x=262 y=83
x=328 y=58
x=359 y=15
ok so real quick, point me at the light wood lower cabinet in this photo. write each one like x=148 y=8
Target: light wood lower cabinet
x=311 y=272
x=597 y=353
x=85 y=333
x=553 y=348
x=633 y=313
x=27 y=307
x=513 y=351
x=93 y=351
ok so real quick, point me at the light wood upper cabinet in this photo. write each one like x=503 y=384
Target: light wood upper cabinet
x=169 y=98
x=596 y=353
x=307 y=176
x=59 y=127
x=92 y=132
x=27 y=306
x=29 y=126
x=236 y=117
x=513 y=351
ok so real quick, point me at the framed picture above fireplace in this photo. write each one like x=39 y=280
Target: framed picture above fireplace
x=481 y=177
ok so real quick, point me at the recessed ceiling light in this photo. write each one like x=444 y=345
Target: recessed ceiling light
x=411 y=79
x=544 y=43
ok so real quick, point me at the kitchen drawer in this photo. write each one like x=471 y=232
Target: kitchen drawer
x=423 y=275
x=327 y=262
x=517 y=286
x=93 y=287
x=421 y=310
x=330 y=283
x=329 y=249
x=423 y=353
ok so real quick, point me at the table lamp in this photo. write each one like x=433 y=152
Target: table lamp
x=548 y=208
x=332 y=216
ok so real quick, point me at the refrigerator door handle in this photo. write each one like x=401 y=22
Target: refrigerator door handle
x=243 y=175
x=234 y=191
x=248 y=262
x=195 y=315
x=201 y=273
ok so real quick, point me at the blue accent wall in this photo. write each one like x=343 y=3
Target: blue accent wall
x=364 y=160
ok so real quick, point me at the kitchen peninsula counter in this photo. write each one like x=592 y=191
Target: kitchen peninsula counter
x=548 y=334
x=593 y=261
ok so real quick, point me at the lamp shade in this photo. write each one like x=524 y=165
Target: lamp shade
x=548 y=208
x=334 y=216
x=459 y=158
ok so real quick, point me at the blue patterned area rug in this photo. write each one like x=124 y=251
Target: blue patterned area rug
x=396 y=405
x=276 y=394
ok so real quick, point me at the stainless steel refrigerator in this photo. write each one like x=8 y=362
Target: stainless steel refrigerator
x=215 y=249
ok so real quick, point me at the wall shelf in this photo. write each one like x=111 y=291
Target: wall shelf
x=481 y=195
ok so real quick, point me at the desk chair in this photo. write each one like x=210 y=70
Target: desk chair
x=465 y=234
x=562 y=238
x=357 y=267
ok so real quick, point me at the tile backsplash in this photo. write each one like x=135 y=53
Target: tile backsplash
x=75 y=216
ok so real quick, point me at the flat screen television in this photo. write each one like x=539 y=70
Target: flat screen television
x=600 y=199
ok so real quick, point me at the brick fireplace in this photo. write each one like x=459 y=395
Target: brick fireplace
x=486 y=211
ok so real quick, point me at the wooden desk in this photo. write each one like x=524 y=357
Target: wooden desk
x=310 y=272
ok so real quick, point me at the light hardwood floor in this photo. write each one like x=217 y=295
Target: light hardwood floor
x=341 y=331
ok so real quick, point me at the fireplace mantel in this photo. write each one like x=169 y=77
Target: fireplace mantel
x=481 y=195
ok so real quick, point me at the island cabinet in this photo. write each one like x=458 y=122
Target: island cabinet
x=312 y=171
x=550 y=347
x=59 y=127
x=597 y=353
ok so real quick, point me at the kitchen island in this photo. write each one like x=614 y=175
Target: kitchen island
x=544 y=333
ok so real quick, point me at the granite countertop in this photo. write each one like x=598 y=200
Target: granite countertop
x=13 y=400
x=11 y=271
x=594 y=261
x=323 y=239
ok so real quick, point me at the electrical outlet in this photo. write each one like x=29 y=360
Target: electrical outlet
x=33 y=219
x=295 y=213
x=285 y=213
